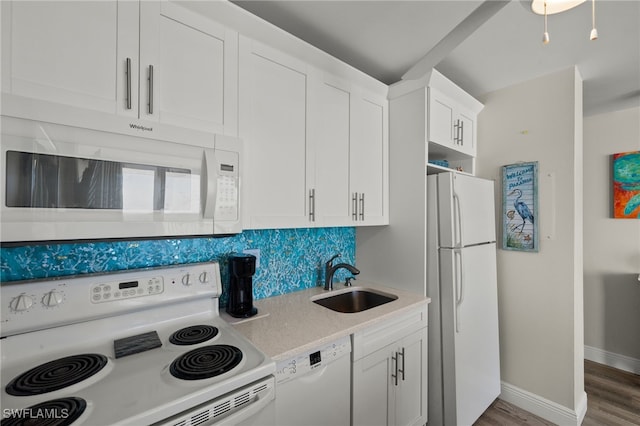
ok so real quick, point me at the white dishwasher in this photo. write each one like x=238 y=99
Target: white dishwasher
x=314 y=388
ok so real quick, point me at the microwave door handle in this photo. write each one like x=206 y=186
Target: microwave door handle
x=208 y=184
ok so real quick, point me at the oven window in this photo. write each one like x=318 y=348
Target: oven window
x=54 y=181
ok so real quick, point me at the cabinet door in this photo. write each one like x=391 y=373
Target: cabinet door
x=188 y=69
x=379 y=398
x=450 y=124
x=411 y=392
x=272 y=123
x=331 y=134
x=466 y=133
x=68 y=52
x=440 y=120
x=373 y=389
x=369 y=160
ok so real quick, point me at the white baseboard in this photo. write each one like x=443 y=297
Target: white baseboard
x=542 y=407
x=620 y=362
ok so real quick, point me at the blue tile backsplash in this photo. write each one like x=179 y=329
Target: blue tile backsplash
x=290 y=259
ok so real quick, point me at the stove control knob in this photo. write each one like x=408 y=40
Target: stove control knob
x=187 y=279
x=204 y=277
x=52 y=298
x=21 y=303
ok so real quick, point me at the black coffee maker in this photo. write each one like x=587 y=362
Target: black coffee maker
x=241 y=269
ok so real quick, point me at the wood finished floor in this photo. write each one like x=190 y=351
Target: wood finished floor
x=613 y=400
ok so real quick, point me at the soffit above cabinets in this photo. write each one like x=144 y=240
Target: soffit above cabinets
x=386 y=38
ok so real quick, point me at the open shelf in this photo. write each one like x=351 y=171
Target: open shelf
x=434 y=168
x=456 y=159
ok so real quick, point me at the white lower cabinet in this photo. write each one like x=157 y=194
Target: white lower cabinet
x=389 y=373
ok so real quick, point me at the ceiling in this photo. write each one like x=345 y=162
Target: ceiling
x=481 y=46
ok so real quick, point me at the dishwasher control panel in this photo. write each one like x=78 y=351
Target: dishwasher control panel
x=313 y=359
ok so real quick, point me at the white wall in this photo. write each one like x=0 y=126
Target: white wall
x=611 y=246
x=540 y=294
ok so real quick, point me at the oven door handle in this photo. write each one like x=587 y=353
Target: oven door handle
x=249 y=410
x=208 y=184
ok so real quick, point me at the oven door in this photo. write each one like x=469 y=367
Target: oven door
x=250 y=406
x=63 y=183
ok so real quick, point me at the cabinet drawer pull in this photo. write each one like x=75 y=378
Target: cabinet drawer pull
x=461 y=132
x=402 y=369
x=312 y=205
x=455 y=133
x=354 y=206
x=128 y=81
x=150 y=89
x=362 y=206
x=394 y=358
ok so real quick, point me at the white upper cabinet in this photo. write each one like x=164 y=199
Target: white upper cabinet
x=444 y=116
x=273 y=124
x=451 y=124
x=331 y=136
x=349 y=149
x=67 y=52
x=188 y=69
x=149 y=61
x=369 y=160
x=315 y=144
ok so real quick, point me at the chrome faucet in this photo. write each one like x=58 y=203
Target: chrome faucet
x=330 y=269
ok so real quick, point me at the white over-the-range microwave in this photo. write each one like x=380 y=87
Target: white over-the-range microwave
x=68 y=183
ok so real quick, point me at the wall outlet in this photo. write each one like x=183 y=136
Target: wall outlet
x=256 y=253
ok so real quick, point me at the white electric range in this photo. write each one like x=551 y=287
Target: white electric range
x=138 y=347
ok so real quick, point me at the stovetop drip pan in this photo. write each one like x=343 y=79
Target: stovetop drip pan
x=56 y=374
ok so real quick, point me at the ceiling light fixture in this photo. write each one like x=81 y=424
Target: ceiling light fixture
x=551 y=7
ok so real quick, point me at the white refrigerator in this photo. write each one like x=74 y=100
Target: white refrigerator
x=464 y=359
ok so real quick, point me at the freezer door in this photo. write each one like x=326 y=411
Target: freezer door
x=470 y=346
x=466 y=210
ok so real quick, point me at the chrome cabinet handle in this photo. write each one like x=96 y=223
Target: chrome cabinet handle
x=455 y=132
x=312 y=205
x=128 y=81
x=354 y=206
x=362 y=206
x=150 y=89
x=461 y=132
x=402 y=370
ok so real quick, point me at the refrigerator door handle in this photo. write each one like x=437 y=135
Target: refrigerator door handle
x=457 y=212
x=459 y=285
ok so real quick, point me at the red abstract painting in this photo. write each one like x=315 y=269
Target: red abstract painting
x=626 y=185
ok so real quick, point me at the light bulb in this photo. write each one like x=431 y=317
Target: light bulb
x=594 y=34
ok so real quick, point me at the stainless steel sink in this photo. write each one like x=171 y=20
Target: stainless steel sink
x=352 y=300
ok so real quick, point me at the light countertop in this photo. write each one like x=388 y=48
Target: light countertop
x=289 y=324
